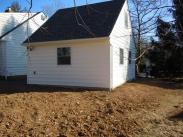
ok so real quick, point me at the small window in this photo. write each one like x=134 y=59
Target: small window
x=121 y=56
x=130 y=57
x=43 y=17
x=64 y=56
x=126 y=19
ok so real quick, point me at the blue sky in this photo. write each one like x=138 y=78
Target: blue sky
x=39 y=4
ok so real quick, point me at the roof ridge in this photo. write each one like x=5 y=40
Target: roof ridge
x=90 y=4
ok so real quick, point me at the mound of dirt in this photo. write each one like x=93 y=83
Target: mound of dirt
x=124 y=112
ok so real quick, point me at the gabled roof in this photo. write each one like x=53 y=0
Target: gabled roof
x=88 y=21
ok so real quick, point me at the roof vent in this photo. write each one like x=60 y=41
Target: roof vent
x=43 y=17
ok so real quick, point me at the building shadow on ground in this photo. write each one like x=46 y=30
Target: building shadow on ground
x=162 y=83
x=20 y=86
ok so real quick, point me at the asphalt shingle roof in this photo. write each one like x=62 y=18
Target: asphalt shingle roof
x=97 y=21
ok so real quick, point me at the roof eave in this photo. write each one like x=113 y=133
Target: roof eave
x=66 y=41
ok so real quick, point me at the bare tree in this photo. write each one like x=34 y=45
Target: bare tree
x=50 y=9
x=14 y=7
x=144 y=15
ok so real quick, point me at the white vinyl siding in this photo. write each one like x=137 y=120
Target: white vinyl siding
x=90 y=64
x=16 y=54
x=121 y=38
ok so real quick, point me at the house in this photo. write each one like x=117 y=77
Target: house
x=15 y=28
x=86 y=46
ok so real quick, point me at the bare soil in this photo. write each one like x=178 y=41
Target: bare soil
x=143 y=108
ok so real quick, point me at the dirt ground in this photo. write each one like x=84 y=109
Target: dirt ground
x=143 y=108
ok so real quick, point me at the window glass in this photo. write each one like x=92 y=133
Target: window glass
x=121 y=56
x=126 y=19
x=64 y=56
x=130 y=57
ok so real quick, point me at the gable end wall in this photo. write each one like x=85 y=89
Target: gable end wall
x=121 y=37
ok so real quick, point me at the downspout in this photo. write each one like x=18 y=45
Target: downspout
x=111 y=65
x=5 y=60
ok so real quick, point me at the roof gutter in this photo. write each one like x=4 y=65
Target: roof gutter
x=18 y=26
x=65 y=41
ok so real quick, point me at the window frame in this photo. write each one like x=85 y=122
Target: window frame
x=65 y=63
x=130 y=57
x=121 y=56
x=126 y=20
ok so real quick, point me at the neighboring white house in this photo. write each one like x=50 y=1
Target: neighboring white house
x=15 y=28
x=90 y=47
